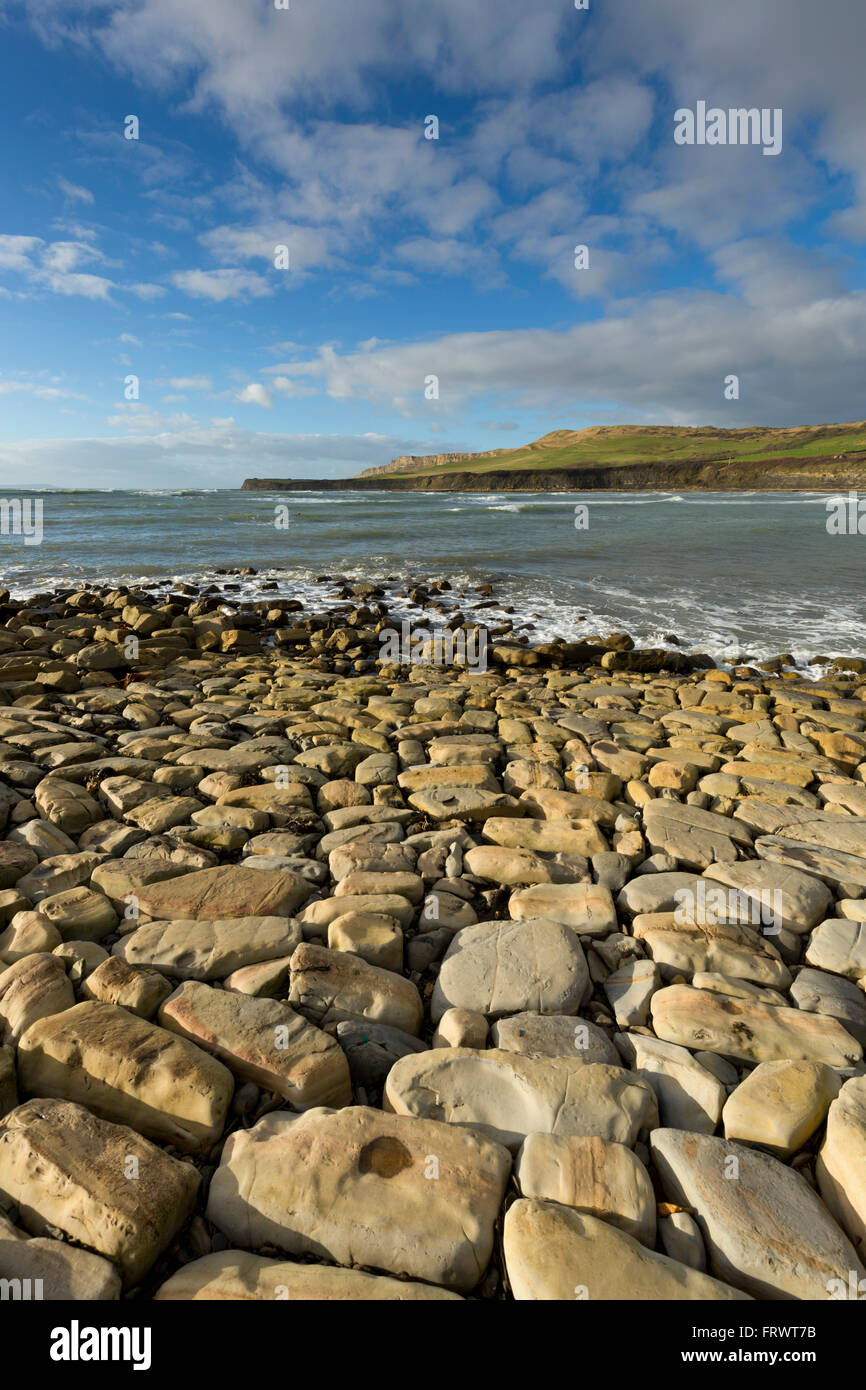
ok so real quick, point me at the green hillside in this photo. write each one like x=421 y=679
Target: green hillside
x=624 y=446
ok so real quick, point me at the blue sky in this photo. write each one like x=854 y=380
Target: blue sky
x=409 y=257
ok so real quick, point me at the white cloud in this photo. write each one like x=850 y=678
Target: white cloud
x=35 y=388
x=74 y=191
x=662 y=360
x=256 y=394
x=146 y=291
x=191 y=383
x=16 y=252
x=220 y=285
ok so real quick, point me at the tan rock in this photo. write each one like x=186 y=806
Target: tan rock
x=600 y=1178
x=328 y=986
x=228 y=891
x=689 y=1095
x=133 y=987
x=365 y=884
x=508 y=1096
x=100 y=1183
x=779 y=1105
x=750 y=1032
x=510 y=867
x=195 y=950
x=359 y=1187
x=451 y=802
x=586 y=908
x=546 y=836
x=841 y=1165
x=79 y=914
x=461 y=1028
x=34 y=987
x=724 y=948
x=555 y=1252
x=373 y=936
x=261 y=1040
x=765 y=1230
x=26 y=934
x=128 y=1071
x=554 y=1035
x=498 y=968
x=317 y=917
x=238 y=1276
x=57 y=1270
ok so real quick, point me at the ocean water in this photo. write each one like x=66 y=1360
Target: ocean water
x=749 y=574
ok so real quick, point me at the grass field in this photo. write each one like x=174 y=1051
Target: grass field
x=624 y=445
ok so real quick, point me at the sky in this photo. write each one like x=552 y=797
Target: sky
x=284 y=276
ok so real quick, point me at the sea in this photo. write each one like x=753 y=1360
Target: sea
x=738 y=576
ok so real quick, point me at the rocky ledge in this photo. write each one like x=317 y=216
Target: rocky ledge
x=327 y=978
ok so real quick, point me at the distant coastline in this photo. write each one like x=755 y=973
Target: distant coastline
x=784 y=476
x=624 y=458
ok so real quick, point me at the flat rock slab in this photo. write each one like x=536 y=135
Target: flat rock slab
x=695 y=838
x=64 y=1167
x=764 y=1228
x=585 y=907
x=819 y=992
x=555 y=1252
x=841 y=1166
x=839 y=945
x=511 y=867
x=463 y=803
x=261 y=1040
x=656 y=892
x=128 y=1071
x=359 y=1187
x=602 y=1179
x=33 y=988
x=507 y=967
x=828 y=864
x=545 y=836
x=724 y=948
x=329 y=986
x=63 y=1271
x=509 y=1096
x=802 y=899
x=708 y=1022
x=228 y=891
x=554 y=1035
x=779 y=1105
x=195 y=950
x=240 y=1277
x=689 y=1096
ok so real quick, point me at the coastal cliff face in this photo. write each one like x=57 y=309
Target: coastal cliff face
x=415 y=463
x=819 y=473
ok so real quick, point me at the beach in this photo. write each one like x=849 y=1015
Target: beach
x=754 y=575
x=334 y=972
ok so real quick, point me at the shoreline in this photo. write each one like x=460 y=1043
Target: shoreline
x=437 y=606
x=289 y=926
x=781 y=476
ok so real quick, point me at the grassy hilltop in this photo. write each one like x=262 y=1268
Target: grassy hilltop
x=622 y=446
x=629 y=458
